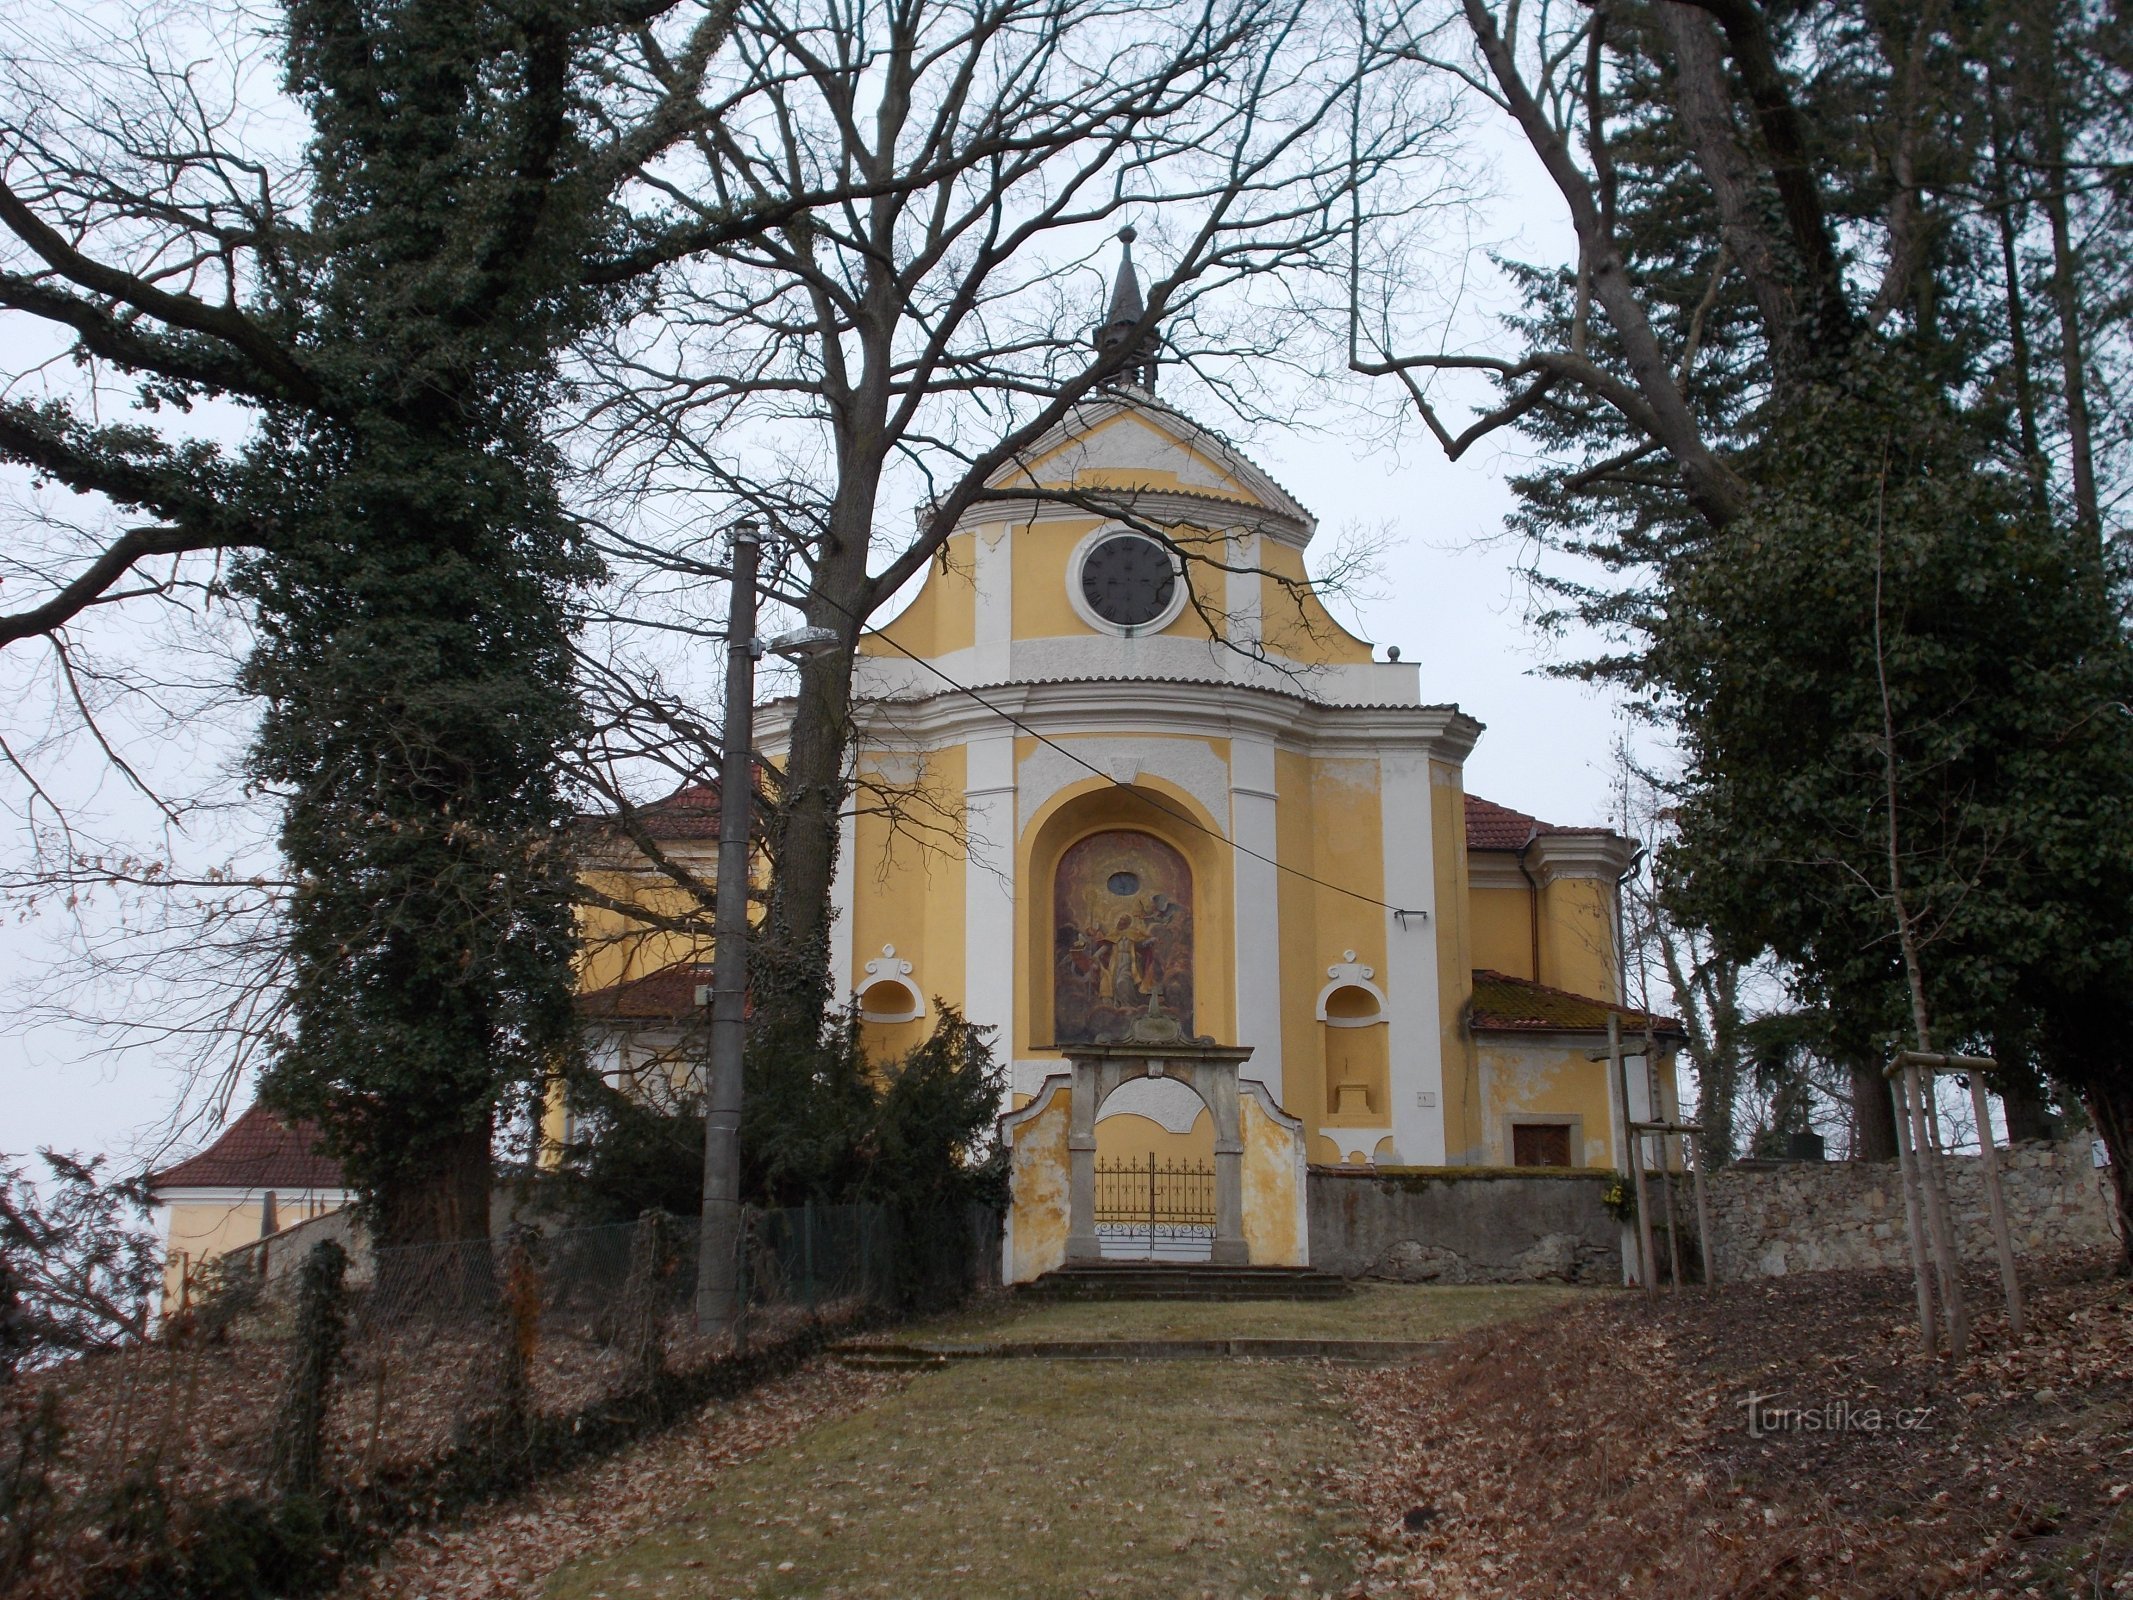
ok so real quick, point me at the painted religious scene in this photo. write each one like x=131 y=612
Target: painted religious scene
x=1122 y=947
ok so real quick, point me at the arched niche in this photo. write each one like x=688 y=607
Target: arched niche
x=886 y=992
x=1353 y=1045
x=1163 y=1117
x=1152 y=806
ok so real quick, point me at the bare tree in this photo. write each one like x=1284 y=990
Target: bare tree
x=919 y=341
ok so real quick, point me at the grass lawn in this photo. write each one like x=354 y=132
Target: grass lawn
x=1024 y=1480
x=1374 y=1311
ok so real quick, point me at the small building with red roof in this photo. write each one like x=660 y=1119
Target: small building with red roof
x=260 y=1177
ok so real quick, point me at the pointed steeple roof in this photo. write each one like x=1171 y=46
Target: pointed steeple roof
x=1126 y=302
x=1127 y=308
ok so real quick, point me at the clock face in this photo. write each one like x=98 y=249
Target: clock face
x=1128 y=580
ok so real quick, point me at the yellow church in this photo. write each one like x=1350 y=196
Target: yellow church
x=1214 y=880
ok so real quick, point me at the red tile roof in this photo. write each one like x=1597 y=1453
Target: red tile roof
x=665 y=995
x=1504 y=1004
x=690 y=812
x=1490 y=826
x=257 y=1151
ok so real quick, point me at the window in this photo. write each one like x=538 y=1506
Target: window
x=1540 y=1144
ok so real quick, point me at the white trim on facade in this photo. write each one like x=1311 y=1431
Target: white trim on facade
x=1415 y=1047
x=1349 y=973
x=1256 y=905
x=891 y=970
x=990 y=831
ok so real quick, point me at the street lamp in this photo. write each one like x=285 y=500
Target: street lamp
x=718 y=1251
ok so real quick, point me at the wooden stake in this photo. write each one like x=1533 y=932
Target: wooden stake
x=1632 y=1153
x=1939 y=1224
x=1703 y=1217
x=1666 y=1165
x=1907 y=1165
x=2002 y=1239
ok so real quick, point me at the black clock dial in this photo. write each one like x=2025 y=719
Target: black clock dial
x=1128 y=580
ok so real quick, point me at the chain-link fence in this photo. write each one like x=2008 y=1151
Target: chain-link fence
x=375 y=1387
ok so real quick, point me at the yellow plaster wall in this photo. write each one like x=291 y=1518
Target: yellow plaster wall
x=1038 y=1174
x=1295 y=622
x=1328 y=821
x=1540 y=1076
x=910 y=890
x=943 y=615
x=1093 y=807
x=1500 y=926
x=198 y=1232
x=1455 y=960
x=614 y=946
x=1129 y=1136
x=1578 y=936
x=1302 y=1064
x=1577 y=933
x=1272 y=1202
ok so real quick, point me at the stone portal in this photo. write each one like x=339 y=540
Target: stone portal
x=1211 y=1071
x=1259 y=1171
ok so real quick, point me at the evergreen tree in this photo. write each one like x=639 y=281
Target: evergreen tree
x=415 y=604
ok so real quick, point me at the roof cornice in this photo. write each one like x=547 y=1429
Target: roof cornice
x=1185 y=708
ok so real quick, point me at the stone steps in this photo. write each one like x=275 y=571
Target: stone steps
x=1133 y=1280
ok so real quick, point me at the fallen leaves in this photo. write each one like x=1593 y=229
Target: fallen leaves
x=1607 y=1451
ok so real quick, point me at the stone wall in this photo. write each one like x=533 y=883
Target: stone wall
x=1770 y=1219
x=1463 y=1225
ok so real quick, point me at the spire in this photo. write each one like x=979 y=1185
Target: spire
x=1127 y=307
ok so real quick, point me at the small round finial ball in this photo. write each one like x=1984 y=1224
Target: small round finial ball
x=1126 y=235
x=1392 y=652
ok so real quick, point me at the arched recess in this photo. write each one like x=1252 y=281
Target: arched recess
x=886 y=992
x=1353 y=1045
x=1163 y=1117
x=1154 y=807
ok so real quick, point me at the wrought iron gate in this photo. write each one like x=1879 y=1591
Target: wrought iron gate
x=1168 y=1207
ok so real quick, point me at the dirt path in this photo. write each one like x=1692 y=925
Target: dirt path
x=1025 y=1480
x=999 y=1478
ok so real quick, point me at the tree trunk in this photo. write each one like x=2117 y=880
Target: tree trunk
x=2066 y=297
x=2110 y=1104
x=448 y=1202
x=1873 y=1114
x=2023 y=1097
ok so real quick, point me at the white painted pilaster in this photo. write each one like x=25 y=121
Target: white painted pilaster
x=994 y=625
x=1410 y=979
x=988 y=889
x=844 y=976
x=1258 y=908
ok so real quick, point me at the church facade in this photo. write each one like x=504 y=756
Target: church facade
x=1116 y=762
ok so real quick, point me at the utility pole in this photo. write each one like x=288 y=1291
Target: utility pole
x=719 y=1243
x=718 y=1250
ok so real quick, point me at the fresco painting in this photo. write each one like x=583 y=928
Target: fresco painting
x=1122 y=925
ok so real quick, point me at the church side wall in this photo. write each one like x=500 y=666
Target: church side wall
x=1331 y=825
x=1543 y=1078
x=912 y=891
